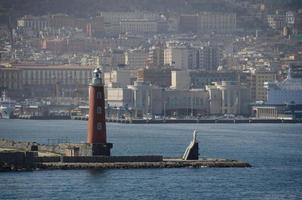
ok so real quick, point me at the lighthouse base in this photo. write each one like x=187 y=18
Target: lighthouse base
x=95 y=149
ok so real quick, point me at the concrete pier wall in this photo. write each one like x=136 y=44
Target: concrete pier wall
x=110 y=159
x=26 y=146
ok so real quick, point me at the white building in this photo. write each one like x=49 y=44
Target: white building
x=180 y=80
x=287 y=91
x=228 y=98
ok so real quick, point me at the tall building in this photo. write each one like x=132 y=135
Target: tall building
x=209 y=58
x=260 y=77
x=156 y=56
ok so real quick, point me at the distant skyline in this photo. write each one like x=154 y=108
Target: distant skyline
x=89 y=8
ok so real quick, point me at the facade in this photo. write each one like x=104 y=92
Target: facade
x=97 y=26
x=156 y=57
x=142 y=99
x=217 y=22
x=208 y=22
x=159 y=77
x=181 y=57
x=137 y=26
x=276 y=21
x=113 y=20
x=33 y=23
x=46 y=80
x=260 y=78
x=186 y=102
x=180 y=80
x=119 y=97
x=199 y=79
x=188 y=23
x=136 y=58
x=209 y=58
x=11 y=79
x=229 y=98
x=113 y=58
x=117 y=78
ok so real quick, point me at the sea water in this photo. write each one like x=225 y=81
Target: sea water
x=274 y=151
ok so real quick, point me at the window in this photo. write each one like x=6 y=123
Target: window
x=99 y=126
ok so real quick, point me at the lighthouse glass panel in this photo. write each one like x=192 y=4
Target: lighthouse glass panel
x=99 y=110
x=99 y=126
x=98 y=95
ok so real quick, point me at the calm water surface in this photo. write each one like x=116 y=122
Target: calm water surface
x=274 y=150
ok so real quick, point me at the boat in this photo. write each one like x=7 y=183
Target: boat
x=7 y=107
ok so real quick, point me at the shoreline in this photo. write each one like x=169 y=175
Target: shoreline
x=173 y=121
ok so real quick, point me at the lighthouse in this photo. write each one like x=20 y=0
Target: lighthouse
x=96 y=134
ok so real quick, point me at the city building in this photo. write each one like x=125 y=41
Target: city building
x=136 y=58
x=46 y=80
x=97 y=26
x=117 y=78
x=159 y=77
x=260 y=77
x=156 y=56
x=33 y=23
x=180 y=80
x=179 y=103
x=209 y=58
x=113 y=20
x=228 y=98
x=10 y=80
x=188 y=23
x=112 y=58
x=181 y=57
x=199 y=79
x=208 y=22
x=139 y=26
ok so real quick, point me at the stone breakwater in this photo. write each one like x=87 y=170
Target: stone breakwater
x=138 y=165
x=18 y=156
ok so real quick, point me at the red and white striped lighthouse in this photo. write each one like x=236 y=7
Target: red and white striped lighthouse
x=96 y=135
